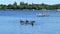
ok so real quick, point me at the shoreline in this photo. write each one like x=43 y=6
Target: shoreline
x=26 y=9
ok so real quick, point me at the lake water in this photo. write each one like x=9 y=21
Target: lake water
x=10 y=22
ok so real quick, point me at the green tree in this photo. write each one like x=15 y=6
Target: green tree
x=14 y=6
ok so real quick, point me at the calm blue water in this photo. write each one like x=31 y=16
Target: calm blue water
x=9 y=22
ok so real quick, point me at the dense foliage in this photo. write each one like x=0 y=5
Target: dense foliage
x=23 y=5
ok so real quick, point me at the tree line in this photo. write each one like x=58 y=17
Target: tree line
x=23 y=5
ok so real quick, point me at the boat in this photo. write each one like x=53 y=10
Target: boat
x=42 y=15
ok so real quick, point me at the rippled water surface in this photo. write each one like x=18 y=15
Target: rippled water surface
x=10 y=22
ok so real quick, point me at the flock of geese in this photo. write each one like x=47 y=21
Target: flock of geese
x=26 y=22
